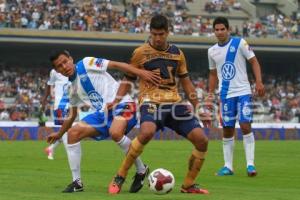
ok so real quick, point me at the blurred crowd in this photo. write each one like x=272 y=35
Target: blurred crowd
x=133 y=17
x=21 y=92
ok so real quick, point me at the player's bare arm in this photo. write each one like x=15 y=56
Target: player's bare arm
x=191 y=93
x=65 y=127
x=124 y=88
x=259 y=86
x=213 y=80
x=212 y=83
x=148 y=76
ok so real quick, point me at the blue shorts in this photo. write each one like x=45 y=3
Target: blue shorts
x=177 y=117
x=234 y=108
x=102 y=121
x=60 y=116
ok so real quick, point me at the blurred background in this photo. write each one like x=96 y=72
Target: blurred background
x=31 y=29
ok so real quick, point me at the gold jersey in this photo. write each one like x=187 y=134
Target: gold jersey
x=169 y=64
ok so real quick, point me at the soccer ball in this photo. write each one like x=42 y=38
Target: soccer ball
x=161 y=181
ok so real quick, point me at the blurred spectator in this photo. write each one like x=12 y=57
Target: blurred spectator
x=133 y=17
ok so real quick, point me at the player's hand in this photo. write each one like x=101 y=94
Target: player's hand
x=53 y=137
x=259 y=89
x=110 y=105
x=150 y=77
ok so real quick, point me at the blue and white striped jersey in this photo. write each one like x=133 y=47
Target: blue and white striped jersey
x=230 y=62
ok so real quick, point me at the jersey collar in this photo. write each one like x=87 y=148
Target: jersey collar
x=159 y=49
x=223 y=45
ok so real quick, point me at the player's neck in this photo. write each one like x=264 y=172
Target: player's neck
x=73 y=76
x=162 y=48
x=223 y=42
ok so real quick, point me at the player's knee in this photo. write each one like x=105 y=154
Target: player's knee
x=145 y=136
x=73 y=135
x=200 y=142
x=116 y=135
x=203 y=144
x=246 y=128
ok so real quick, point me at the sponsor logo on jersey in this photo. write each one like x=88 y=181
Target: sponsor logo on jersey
x=250 y=48
x=226 y=118
x=98 y=62
x=95 y=99
x=225 y=107
x=91 y=62
x=228 y=71
x=232 y=49
x=151 y=108
x=83 y=77
x=246 y=110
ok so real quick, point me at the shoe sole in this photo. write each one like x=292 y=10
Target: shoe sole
x=185 y=191
x=73 y=191
x=216 y=174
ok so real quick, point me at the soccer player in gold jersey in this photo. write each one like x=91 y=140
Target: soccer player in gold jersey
x=160 y=105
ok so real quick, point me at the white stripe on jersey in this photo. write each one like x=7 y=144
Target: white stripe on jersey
x=101 y=80
x=61 y=84
x=239 y=84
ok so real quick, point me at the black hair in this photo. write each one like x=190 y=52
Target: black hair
x=159 y=22
x=55 y=54
x=221 y=20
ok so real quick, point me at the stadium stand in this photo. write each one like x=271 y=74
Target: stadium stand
x=189 y=17
x=21 y=92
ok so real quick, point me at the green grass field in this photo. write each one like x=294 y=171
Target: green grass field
x=26 y=174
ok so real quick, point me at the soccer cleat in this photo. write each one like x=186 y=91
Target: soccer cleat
x=225 y=171
x=251 y=171
x=49 y=152
x=75 y=186
x=138 y=181
x=116 y=185
x=194 y=189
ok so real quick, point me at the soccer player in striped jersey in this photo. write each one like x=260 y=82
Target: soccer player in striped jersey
x=92 y=85
x=227 y=64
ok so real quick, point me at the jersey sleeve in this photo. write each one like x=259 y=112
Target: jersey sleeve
x=211 y=62
x=136 y=58
x=246 y=50
x=52 y=78
x=95 y=64
x=182 y=68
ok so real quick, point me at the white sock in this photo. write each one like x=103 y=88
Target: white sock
x=249 y=146
x=64 y=139
x=228 y=146
x=124 y=143
x=74 y=157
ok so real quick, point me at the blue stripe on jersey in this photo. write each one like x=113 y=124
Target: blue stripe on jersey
x=228 y=69
x=94 y=97
x=65 y=98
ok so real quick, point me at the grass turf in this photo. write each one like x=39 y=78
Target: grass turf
x=26 y=173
